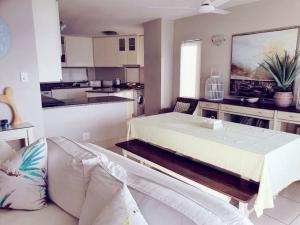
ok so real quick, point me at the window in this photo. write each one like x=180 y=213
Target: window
x=190 y=69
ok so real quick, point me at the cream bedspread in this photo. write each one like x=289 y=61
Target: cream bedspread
x=266 y=156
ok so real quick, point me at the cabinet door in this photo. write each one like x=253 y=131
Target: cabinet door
x=106 y=52
x=79 y=51
x=122 y=53
x=99 y=52
x=112 y=52
x=132 y=50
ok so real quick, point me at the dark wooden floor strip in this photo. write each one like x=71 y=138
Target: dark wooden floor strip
x=218 y=180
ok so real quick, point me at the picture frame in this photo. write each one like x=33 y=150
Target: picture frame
x=249 y=50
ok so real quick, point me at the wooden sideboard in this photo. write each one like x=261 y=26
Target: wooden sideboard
x=282 y=119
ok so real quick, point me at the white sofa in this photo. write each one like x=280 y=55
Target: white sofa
x=66 y=198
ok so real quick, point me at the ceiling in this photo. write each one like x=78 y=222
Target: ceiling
x=90 y=17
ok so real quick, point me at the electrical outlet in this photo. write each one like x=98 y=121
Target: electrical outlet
x=86 y=136
x=24 y=77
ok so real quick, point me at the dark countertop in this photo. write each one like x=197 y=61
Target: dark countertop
x=83 y=84
x=106 y=90
x=259 y=105
x=54 y=103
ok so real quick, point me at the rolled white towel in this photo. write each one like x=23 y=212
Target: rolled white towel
x=212 y=124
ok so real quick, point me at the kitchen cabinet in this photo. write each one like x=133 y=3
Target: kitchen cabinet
x=69 y=93
x=123 y=94
x=106 y=52
x=118 y=51
x=47 y=38
x=78 y=51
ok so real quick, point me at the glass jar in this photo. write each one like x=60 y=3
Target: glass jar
x=214 y=88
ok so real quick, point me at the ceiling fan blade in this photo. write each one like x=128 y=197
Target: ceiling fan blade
x=174 y=8
x=221 y=11
x=218 y=3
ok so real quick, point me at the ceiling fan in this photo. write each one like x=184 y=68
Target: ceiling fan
x=207 y=6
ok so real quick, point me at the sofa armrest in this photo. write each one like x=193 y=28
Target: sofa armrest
x=166 y=110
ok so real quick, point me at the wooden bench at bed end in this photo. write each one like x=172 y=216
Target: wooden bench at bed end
x=239 y=191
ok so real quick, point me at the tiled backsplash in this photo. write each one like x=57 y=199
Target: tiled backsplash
x=74 y=74
x=110 y=74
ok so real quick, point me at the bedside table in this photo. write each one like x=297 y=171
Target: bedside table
x=22 y=131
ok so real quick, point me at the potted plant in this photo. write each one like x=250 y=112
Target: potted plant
x=284 y=71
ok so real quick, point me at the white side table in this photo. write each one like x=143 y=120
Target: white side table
x=22 y=131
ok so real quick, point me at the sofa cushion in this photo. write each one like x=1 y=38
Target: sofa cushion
x=23 y=178
x=67 y=175
x=52 y=215
x=5 y=151
x=122 y=209
x=101 y=189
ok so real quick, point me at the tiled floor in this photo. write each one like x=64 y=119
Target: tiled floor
x=287 y=206
x=286 y=211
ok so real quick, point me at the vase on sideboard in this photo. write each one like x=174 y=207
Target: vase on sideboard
x=298 y=99
x=283 y=99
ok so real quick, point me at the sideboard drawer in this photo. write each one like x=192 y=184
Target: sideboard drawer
x=247 y=110
x=289 y=116
x=210 y=105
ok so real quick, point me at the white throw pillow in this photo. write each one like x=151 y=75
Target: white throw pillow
x=69 y=169
x=121 y=210
x=23 y=178
x=5 y=151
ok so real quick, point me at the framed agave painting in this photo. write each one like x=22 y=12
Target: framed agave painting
x=247 y=77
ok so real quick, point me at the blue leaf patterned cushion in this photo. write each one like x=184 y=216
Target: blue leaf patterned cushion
x=23 y=178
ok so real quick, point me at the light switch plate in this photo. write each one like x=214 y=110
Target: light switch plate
x=24 y=77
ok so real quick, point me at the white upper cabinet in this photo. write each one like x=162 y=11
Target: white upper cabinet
x=118 y=51
x=132 y=48
x=47 y=34
x=78 y=51
x=106 y=52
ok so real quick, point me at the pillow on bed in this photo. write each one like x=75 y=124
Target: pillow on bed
x=23 y=178
x=121 y=210
x=5 y=151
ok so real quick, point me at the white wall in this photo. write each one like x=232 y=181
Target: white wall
x=262 y=15
x=167 y=63
x=158 y=71
x=21 y=57
x=152 y=69
x=47 y=33
x=106 y=123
